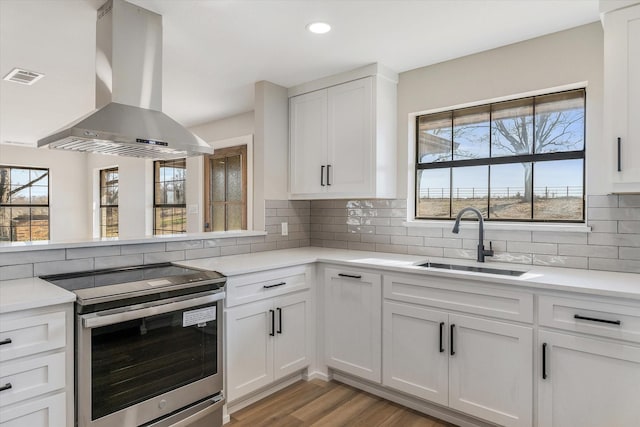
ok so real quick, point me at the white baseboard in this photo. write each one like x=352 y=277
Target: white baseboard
x=316 y=375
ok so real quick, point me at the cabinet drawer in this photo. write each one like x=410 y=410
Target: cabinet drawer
x=593 y=317
x=266 y=284
x=29 y=335
x=47 y=412
x=460 y=295
x=32 y=377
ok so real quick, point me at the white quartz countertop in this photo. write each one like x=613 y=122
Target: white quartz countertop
x=24 y=294
x=601 y=283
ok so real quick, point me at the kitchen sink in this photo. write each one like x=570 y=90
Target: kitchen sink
x=474 y=269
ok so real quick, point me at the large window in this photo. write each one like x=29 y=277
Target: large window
x=109 y=202
x=226 y=189
x=519 y=160
x=24 y=203
x=169 y=203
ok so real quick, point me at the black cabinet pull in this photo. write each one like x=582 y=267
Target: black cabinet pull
x=441 y=332
x=351 y=276
x=593 y=319
x=273 y=323
x=328 y=172
x=619 y=154
x=452 y=351
x=7 y=386
x=274 y=285
x=279 y=320
x=322 y=175
x=5 y=341
x=544 y=360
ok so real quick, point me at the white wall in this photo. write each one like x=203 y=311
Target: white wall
x=69 y=215
x=135 y=193
x=230 y=127
x=271 y=147
x=552 y=61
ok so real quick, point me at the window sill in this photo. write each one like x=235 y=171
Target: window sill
x=505 y=226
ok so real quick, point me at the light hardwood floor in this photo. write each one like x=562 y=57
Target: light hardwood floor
x=328 y=404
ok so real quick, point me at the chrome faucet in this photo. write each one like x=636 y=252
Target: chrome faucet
x=482 y=252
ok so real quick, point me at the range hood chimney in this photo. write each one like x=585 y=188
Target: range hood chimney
x=128 y=120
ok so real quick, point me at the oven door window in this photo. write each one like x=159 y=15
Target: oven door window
x=139 y=359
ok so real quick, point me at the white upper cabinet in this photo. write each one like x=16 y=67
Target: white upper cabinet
x=343 y=136
x=622 y=96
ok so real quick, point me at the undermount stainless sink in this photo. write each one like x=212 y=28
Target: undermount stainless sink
x=474 y=269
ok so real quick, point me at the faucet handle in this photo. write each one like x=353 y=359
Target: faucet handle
x=490 y=251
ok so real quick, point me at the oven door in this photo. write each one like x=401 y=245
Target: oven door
x=140 y=363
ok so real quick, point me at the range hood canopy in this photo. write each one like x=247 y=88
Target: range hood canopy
x=128 y=120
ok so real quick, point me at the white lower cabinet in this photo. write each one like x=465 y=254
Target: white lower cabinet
x=587 y=382
x=353 y=312
x=477 y=366
x=267 y=340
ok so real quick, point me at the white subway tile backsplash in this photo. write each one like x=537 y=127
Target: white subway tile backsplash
x=629 y=227
x=261 y=247
x=201 y=253
x=142 y=248
x=630 y=201
x=426 y=251
x=27 y=257
x=555 y=237
x=358 y=246
x=442 y=242
x=588 y=251
x=533 y=248
x=18 y=271
x=625 y=266
x=187 y=244
x=614 y=239
x=118 y=261
x=560 y=261
x=607 y=201
x=394 y=249
x=59 y=267
x=76 y=253
x=156 y=257
x=396 y=231
x=630 y=253
x=235 y=250
x=407 y=240
x=629 y=213
x=603 y=226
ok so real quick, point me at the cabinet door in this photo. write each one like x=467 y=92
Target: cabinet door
x=353 y=322
x=249 y=348
x=293 y=334
x=351 y=148
x=308 y=143
x=415 y=357
x=589 y=382
x=50 y=411
x=491 y=370
x=622 y=93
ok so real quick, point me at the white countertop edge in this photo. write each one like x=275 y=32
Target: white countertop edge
x=30 y=293
x=46 y=244
x=591 y=282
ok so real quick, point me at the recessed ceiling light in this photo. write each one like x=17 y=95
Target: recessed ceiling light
x=319 y=27
x=24 y=77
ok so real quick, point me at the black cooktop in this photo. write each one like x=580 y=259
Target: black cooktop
x=153 y=281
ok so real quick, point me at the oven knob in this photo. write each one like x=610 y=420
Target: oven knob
x=162 y=404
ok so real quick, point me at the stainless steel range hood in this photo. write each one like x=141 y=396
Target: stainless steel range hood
x=128 y=120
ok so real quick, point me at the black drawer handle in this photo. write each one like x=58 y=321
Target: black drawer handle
x=273 y=323
x=441 y=332
x=619 y=154
x=328 y=174
x=593 y=319
x=5 y=341
x=274 y=285
x=7 y=386
x=351 y=276
x=544 y=361
x=452 y=352
x=322 y=175
x=279 y=320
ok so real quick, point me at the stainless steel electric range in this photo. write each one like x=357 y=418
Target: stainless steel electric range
x=148 y=346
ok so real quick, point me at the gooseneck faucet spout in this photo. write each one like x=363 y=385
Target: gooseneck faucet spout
x=482 y=252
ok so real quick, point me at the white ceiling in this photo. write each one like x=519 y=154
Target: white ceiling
x=215 y=50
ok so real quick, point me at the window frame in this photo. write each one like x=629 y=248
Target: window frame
x=103 y=227
x=30 y=205
x=532 y=158
x=157 y=164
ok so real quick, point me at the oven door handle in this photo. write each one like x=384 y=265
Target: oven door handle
x=96 y=320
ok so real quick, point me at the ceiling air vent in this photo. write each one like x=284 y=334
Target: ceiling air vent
x=24 y=77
